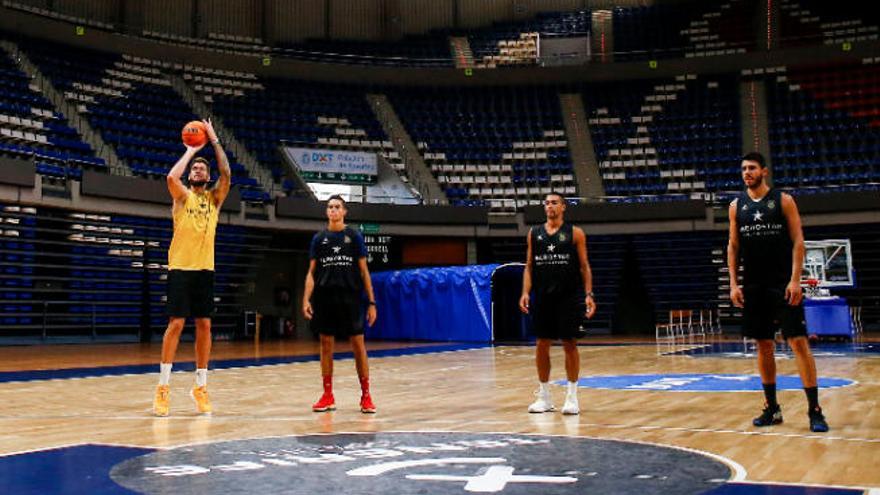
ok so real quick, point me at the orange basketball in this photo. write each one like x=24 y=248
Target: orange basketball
x=193 y=134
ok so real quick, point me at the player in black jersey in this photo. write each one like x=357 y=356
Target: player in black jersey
x=558 y=276
x=333 y=299
x=767 y=241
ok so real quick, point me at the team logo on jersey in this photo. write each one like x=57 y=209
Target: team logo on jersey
x=347 y=240
x=551 y=247
x=562 y=237
x=771 y=204
x=758 y=216
x=745 y=207
x=422 y=462
x=325 y=241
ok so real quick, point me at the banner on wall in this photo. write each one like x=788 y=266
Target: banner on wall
x=336 y=166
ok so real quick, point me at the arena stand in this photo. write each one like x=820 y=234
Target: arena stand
x=130 y=101
x=658 y=139
x=32 y=129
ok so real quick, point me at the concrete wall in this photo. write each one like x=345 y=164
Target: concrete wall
x=98 y=10
x=232 y=17
x=289 y=21
x=419 y=18
x=477 y=13
x=169 y=16
x=357 y=19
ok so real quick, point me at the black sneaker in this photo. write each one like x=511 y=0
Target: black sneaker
x=817 y=421
x=769 y=416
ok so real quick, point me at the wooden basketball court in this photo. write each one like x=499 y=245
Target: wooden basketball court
x=261 y=393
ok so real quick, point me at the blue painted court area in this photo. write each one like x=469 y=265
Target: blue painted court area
x=773 y=489
x=60 y=374
x=68 y=470
x=820 y=350
x=699 y=382
x=217 y=468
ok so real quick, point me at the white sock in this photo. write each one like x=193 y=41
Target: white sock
x=201 y=377
x=572 y=388
x=165 y=373
x=544 y=387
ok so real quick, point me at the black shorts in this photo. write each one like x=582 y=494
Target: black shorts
x=190 y=293
x=557 y=316
x=765 y=311
x=339 y=313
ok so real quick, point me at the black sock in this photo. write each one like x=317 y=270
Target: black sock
x=770 y=394
x=812 y=397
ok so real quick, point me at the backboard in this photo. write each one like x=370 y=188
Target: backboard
x=830 y=262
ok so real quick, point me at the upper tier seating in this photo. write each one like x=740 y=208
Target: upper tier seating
x=690 y=29
x=263 y=113
x=676 y=137
x=516 y=43
x=477 y=140
x=31 y=129
x=131 y=102
x=810 y=22
x=825 y=127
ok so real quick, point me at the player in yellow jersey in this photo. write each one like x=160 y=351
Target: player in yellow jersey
x=191 y=264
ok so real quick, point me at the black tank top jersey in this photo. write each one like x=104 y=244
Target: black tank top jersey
x=765 y=244
x=555 y=265
x=336 y=255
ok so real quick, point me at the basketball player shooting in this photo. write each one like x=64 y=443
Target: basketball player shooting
x=190 y=287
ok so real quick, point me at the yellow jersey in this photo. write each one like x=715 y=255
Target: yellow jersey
x=195 y=226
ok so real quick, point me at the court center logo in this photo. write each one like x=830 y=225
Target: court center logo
x=699 y=382
x=419 y=463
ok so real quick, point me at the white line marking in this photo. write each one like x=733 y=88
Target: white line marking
x=377 y=469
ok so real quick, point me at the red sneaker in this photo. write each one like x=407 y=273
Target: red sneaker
x=325 y=403
x=367 y=406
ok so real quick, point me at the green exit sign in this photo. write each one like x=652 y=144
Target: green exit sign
x=652 y=64
x=267 y=61
x=80 y=30
x=847 y=46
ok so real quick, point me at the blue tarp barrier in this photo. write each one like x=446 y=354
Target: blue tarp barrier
x=439 y=304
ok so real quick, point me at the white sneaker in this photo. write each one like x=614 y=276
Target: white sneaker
x=542 y=404
x=571 y=404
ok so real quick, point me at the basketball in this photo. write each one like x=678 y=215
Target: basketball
x=193 y=134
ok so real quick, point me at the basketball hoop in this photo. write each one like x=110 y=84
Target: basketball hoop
x=812 y=287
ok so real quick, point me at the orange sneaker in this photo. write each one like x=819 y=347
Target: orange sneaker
x=325 y=403
x=367 y=406
x=162 y=400
x=200 y=396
